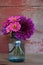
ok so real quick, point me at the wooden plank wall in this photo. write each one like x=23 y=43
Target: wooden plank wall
x=28 y=8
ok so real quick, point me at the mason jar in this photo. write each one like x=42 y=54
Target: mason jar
x=16 y=50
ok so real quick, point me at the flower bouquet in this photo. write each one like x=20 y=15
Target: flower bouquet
x=20 y=29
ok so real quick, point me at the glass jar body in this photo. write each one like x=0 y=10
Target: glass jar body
x=16 y=50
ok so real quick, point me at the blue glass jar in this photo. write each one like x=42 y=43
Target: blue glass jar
x=16 y=50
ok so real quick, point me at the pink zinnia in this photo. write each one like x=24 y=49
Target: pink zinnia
x=13 y=27
x=14 y=18
x=11 y=18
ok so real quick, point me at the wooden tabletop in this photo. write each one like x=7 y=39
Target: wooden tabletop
x=31 y=59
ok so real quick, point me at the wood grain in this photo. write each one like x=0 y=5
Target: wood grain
x=21 y=3
x=31 y=59
x=29 y=8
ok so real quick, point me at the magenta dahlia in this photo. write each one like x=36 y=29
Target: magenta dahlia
x=27 y=28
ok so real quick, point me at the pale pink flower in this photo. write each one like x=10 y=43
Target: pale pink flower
x=14 y=18
x=11 y=18
x=13 y=27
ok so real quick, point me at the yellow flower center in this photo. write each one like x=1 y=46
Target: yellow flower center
x=15 y=26
x=15 y=18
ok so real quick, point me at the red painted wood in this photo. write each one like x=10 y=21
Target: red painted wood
x=6 y=12
x=29 y=8
x=4 y=40
x=12 y=2
x=21 y=2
